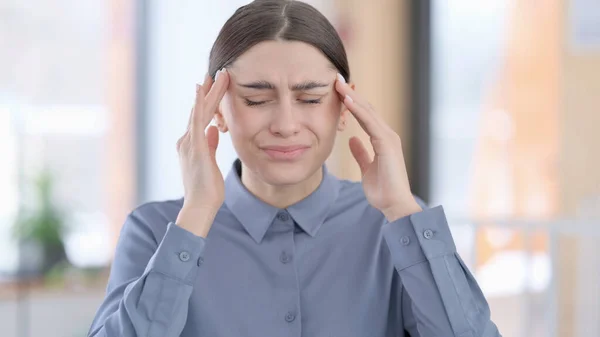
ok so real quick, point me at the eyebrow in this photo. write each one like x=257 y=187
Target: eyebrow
x=264 y=85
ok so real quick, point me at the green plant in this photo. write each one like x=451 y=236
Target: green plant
x=44 y=225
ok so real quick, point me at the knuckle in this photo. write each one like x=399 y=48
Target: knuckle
x=395 y=137
x=182 y=141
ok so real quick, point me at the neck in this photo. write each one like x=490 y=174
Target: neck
x=280 y=196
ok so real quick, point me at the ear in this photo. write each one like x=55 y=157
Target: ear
x=220 y=121
x=344 y=114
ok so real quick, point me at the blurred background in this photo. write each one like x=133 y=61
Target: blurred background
x=497 y=103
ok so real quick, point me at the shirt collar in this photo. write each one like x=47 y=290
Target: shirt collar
x=256 y=216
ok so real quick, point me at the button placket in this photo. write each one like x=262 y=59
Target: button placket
x=285 y=257
x=428 y=234
x=290 y=317
x=184 y=256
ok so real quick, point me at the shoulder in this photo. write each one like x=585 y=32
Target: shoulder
x=158 y=211
x=352 y=194
x=151 y=219
x=351 y=190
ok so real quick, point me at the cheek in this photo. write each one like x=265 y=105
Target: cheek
x=331 y=113
x=242 y=120
x=334 y=106
x=324 y=120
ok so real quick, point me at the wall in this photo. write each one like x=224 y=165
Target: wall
x=376 y=39
x=579 y=171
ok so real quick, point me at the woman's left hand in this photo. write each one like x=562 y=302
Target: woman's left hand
x=384 y=177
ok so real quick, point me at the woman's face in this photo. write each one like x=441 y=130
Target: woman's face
x=282 y=110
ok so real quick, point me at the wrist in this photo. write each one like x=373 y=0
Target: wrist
x=400 y=211
x=196 y=219
x=208 y=204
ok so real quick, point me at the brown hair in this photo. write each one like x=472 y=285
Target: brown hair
x=268 y=20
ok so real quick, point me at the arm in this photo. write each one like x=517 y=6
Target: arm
x=440 y=297
x=444 y=298
x=150 y=282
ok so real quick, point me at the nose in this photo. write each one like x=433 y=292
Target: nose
x=284 y=122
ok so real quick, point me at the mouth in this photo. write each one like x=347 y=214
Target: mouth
x=285 y=153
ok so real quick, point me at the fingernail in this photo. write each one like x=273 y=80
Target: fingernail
x=341 y=78
x=197 y=87
x=219 y=72
x=349 y=98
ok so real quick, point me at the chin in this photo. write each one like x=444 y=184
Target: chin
x=287 y=173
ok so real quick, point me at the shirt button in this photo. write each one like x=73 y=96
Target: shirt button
x=290 y=317
x=282 y=216
x=428 y=234
x=200 y=261
x=405 y=240
x=284 y=257
x=184 y=256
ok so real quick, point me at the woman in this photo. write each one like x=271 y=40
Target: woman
x=281 y=247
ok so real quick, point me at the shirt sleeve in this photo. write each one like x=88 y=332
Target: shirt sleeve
x=150 y=282
x=440 y=296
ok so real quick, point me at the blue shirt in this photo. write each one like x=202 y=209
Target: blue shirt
x=327 y=266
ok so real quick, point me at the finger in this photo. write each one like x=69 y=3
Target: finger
x=221 y=77
x=212 y=138
x=360 y=154
x=344 y=89
x=183 y=141
x=197 y=110
x=208 y=82
x=180 y=142
x=368 y=120
x=365 y=119
x=189 y=124
x=206 y=85
x=218 y=90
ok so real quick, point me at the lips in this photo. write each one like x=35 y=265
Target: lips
x=285 y=153
x=280 y=148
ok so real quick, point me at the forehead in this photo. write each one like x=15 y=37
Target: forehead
x=283 y=58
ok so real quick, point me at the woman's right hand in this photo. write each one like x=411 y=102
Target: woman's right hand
x=204 y=189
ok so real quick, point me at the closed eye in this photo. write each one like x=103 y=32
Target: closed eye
x=253 y=103
x=311 y=101
x=307 y=101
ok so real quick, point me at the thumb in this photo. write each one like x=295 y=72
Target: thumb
x=360 y=154
x=212 y=138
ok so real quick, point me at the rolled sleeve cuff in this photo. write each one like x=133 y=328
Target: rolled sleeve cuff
x=419 y=237
x=179 y=255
